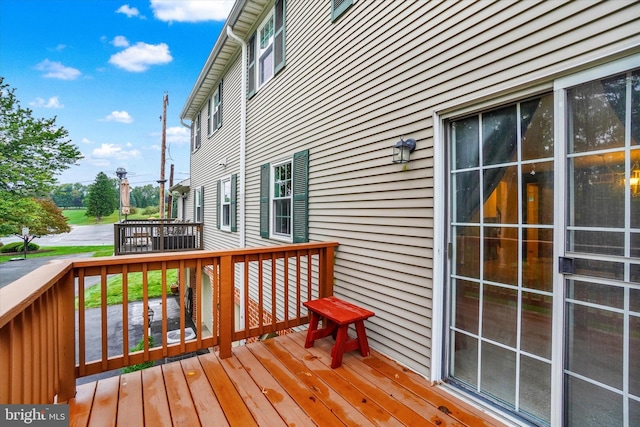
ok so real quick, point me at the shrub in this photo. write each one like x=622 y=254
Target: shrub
x=18 y=247
x=143 y=365
x=150 y=210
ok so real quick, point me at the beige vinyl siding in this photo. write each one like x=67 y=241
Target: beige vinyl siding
x=222 y=143
x=352 y=88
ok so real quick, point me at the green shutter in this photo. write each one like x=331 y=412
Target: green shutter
x=279 y=36
x=218 y=199
x=219 y=104
x=233 y=208
x=339 y=6
x=264 y=199
x=251 y=66
x=301 y=197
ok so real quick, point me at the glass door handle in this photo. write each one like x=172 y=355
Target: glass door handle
x=565 y=265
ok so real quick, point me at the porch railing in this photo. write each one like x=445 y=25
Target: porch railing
x=145 y=236
x=40 y=324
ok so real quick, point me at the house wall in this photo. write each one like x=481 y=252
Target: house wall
x=352 y=88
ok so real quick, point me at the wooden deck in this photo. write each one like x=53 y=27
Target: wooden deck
x=270 y=383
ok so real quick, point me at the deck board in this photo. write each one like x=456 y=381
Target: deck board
x=270 y=383
x=130 y=411
x=207 y=406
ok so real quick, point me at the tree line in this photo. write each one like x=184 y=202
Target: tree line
x=67 y=196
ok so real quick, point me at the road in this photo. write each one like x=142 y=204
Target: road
x=80 y=235
x=85 y=235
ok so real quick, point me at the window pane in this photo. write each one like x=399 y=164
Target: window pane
x=465 y=358
x=635 y=108
x=596 y=188
x=590 y=331
x=499 y=372
x=499 y=136
x=537 y=128
x=596 y=242
x=535 y=387
x=225 y=215
x=266 y=66
x=536 y=324
x=538 y=187
x=611 y=296
x=467 y=251
x=634 y=355
x=537 y=268
x=467 y=196
x=501 y=195
x=590 y=405
x=500 y=314
x=467 y=307
x=597 y=115
x=466 y=143
x=282 y=217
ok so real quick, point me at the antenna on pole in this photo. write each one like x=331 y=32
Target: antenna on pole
x=165 y=102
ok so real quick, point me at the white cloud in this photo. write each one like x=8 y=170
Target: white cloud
x=120 y=41
x=115 y=152
x=52 y=102
x=56 y=70
x=141 y=56
x=119 y=116
x=178 y=135
x=87 y=141
x=129 y=11
x=191 y=10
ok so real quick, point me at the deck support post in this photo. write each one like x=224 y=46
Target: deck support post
x=66 y=339
x=326 y=272
x=227 y=284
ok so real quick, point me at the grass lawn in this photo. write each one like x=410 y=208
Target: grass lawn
x=79 y=217
x=44 y=251
x=114 y=288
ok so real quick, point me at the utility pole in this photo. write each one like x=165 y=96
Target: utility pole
x=170 y=197
x=165 y=102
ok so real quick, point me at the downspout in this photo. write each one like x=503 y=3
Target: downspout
x=241 y=178
x=183 y=205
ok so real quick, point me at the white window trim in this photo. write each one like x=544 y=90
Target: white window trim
x=213 y=110
x=198 y=206
x=224 y=227
x=259 y=51
x=272 y=216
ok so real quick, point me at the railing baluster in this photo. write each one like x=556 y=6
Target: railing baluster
x=145 y=308
x=103 y=317
x=163 y=279
x=182 y=281
x=66 y=336
x=125 y=314
x=81 y=324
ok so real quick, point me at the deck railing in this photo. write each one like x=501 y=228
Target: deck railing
x=145 y=236
x=43 y=315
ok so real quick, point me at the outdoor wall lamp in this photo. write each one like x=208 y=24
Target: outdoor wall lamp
x=403 y=149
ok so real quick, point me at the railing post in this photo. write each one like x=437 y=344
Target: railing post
x=227 y=284
x=326 y=273
x=66 y=339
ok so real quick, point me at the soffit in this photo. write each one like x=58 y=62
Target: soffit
x=242 y=19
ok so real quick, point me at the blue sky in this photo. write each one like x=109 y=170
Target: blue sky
x=102 y=68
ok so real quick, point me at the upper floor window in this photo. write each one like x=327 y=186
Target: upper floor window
x=266 y=49
x=338 y=7
x=216 y=109
x=196 y=133
x=284 y=199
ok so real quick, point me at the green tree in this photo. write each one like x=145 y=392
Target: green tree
x=69 y=195
x=32 y=152
x=145 y=196
x=102 y=197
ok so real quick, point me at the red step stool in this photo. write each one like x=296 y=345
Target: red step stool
x=338 y=315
